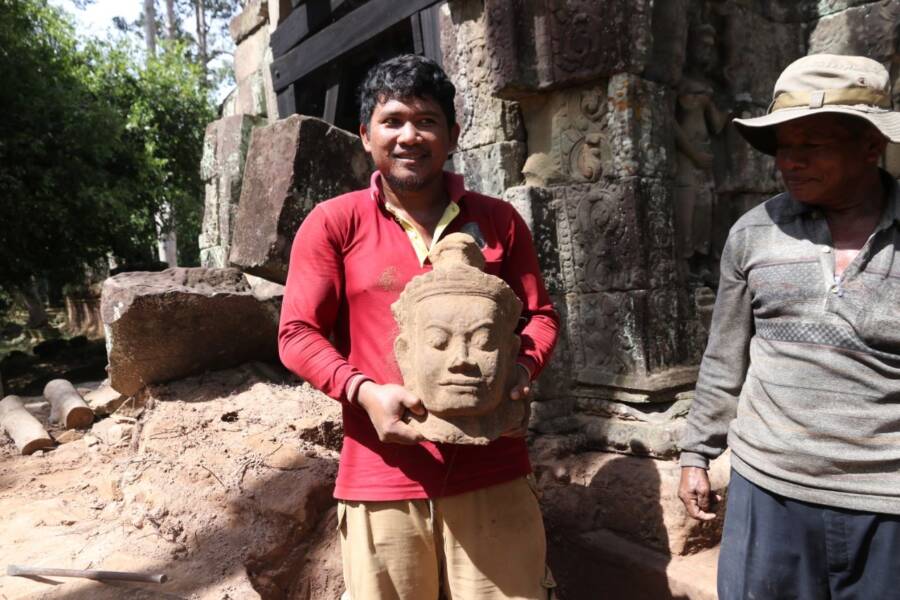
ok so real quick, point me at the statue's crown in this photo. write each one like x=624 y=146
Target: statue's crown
x=458 y=270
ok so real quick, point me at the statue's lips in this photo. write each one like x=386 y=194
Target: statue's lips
x=464 y=384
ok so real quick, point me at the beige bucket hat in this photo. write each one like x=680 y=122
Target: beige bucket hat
x=826 y=83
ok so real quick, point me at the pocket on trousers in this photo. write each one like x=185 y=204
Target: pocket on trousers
x=879 y=324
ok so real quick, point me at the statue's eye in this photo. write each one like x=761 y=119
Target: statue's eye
x=481 y=339
x=436 y=338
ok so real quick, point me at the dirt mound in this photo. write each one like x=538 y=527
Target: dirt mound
x=223 y=482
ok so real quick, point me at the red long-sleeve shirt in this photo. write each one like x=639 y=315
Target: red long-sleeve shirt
x=349 y=262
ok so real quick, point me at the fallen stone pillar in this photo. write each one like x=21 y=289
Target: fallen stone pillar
x=26 y=432
x=67 y=407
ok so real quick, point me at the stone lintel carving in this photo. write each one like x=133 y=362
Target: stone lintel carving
x=567 y=139
x=611 y=233
x=457 y=346
x=546 y=44
x=636 y=346
x=615 y=128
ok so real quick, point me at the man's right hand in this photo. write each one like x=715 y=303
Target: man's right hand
x=386 y=406
x=696 y=495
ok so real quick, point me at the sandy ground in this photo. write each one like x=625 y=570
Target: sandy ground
x=222 y=482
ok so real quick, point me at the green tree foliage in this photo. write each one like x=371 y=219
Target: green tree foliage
x=93 y=140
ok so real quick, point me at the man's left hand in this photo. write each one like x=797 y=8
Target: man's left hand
x=521 y=392
x=522 y=389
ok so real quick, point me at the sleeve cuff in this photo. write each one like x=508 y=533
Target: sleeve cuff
x=527 y=364
x=353 y=384
x=692 y=459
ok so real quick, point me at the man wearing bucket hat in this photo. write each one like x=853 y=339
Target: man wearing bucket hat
x=801 y=376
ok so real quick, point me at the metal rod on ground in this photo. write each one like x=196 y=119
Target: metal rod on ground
x=19 y=571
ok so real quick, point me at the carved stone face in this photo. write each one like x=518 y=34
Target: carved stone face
x=460 y=354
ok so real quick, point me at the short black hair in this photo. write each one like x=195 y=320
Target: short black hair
x=403 y=77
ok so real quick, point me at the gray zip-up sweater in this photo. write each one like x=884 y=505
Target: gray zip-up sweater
x=802 y=372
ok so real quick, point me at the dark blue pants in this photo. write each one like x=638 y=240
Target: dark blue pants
x=775 y=548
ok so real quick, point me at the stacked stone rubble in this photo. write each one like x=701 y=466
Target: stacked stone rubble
x=251 y=104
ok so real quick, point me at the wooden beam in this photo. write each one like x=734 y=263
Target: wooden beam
x=332 y=94
x=337 y=39
x=429 y=21
x=287 y=101
x=415 y=23
x=303 y=21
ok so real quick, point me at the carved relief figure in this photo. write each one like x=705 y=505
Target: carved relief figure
x=457 y=346
x=698 y=119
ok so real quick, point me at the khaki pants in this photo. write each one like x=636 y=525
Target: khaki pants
x=481 y=545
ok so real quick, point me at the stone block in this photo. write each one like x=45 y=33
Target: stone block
x=634 y=497
x=757 y=50
x=642 y=429
x=568 y=137
x=633 y=346
x=483 y=119
x=784 y=11
x=670 y=31
x=617 y=128
x=535 y=46
x=222 y=168
x=268 y=88
x=249 y=56
x=183 y=321
x=250 y=98
x=602 y=560
x=253 y=17
x=740 y=168
x=279 y=11
x=615 y=235
x=641 y=122
x=555 y=416
x=292 y=165
x=491 y=169
x=104 y=400
x=868 y=30
x=536 y=206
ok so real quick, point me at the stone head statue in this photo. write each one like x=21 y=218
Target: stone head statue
x=457 y=345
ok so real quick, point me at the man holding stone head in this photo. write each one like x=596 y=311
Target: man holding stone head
x=801 y=376
x=416 y=516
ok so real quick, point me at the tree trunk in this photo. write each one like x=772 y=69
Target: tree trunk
x=29 y=296
x=150 y=26
x=171 y=22
x=200 y=12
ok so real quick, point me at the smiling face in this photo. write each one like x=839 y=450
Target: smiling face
x=459 y=355
x=409 y=140
x=822 y=158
